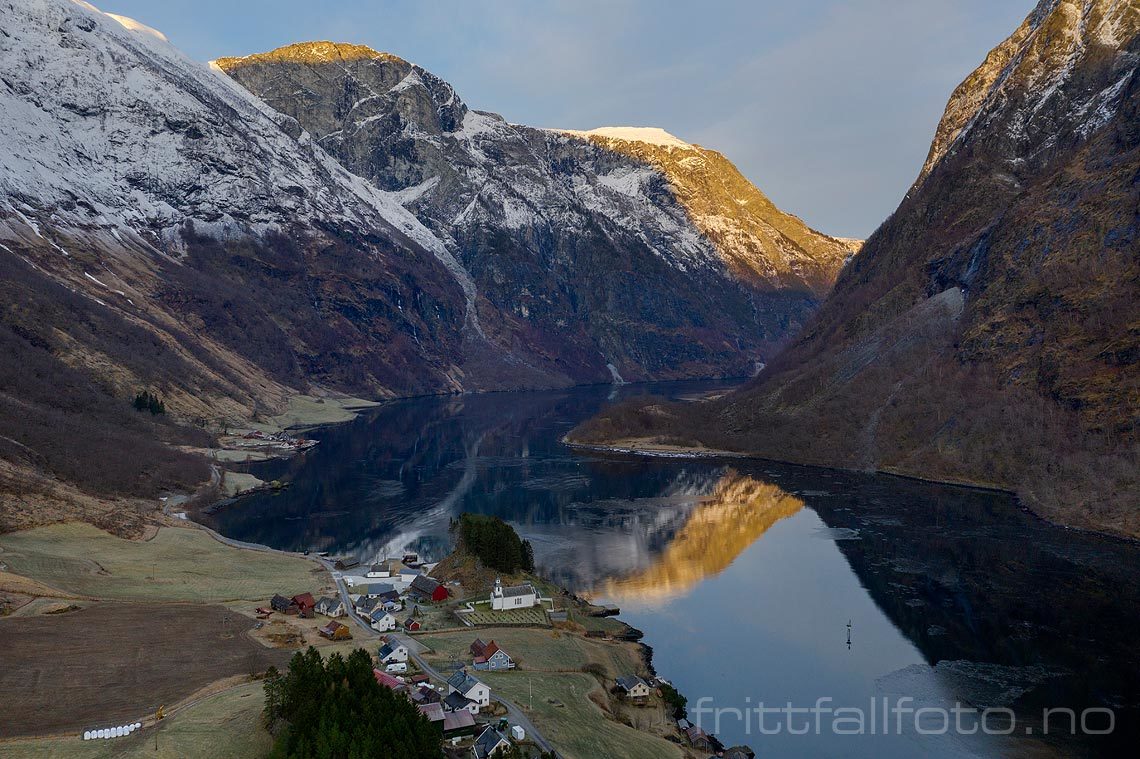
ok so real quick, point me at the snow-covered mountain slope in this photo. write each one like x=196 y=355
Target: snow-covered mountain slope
x=163 y=190
x=162 y=228
x=989 y=331
x=565 y=234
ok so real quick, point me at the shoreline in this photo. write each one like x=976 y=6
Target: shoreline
x=297 y=418
x=681 y=452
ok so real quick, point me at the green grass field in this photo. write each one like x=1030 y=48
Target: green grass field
x=483 y=615
x=538 y=650
x=178 y=564
x=221 y=726
x=574 y=724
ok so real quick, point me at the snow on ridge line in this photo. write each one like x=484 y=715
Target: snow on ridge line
x=136 y=26
x=649 y=135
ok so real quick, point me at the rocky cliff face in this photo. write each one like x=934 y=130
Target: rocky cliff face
x=988 y=331
x=627 y=249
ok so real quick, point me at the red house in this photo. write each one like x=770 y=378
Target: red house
x=387 y=680
x=428 y=589
x=305 y=604
x=411 y=624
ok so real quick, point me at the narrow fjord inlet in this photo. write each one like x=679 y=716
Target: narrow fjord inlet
x=743 y=575
x=794 y=414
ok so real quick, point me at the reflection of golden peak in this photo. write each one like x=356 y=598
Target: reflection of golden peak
x=737 y=512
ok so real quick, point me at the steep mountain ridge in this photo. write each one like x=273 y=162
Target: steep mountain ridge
x=543 y=219
x=989 y=330
x=755 y=238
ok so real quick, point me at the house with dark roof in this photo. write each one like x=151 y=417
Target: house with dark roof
x=364 y=606
x=427 y=589
x=382 y=590
x=457 y=702
x=472 y=687
x=633 y=686
x=425 y=694
x=513 y=597
x=489 y=743
x=411 y=624
x=383 y=620
x=330 y=606
x=699 y=739
x=280 y=603
x=335 y=631
x=488 y=656
x=392 y=651
x=434 y=712
x=460 y=722
x=343 y=564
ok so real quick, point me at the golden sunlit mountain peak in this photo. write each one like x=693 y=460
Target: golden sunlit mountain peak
x=321 y=51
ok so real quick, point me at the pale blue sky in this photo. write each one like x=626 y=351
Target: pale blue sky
x=827 y=105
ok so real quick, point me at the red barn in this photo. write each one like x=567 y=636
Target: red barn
x=427 y=589
x=305 y=604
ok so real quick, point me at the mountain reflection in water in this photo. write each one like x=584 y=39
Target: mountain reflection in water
x=738 y=511
x=743 y=574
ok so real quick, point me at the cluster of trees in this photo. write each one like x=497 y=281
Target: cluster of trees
x=494 y=542
x=335 y=709
x=148 y=401
x=675 y=700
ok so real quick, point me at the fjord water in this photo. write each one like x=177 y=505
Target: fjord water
x=744 y=574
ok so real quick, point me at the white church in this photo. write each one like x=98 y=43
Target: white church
x=513 y=597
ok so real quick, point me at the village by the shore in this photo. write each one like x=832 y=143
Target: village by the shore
x=497 y=664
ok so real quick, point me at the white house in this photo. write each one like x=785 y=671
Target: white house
x=392 y=652
x=470 y=688
x=364 y=605
x=330 y=607
x=633 y=686
x=385 y=569
x=382 y=620
x=513 y=597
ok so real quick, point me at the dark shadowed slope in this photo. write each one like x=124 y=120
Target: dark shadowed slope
x=990 y=329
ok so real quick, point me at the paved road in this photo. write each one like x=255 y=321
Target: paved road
x=514 y=713
x=415 y=652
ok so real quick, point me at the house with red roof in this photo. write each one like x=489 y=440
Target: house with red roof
x=305 y=604
x=488 y=656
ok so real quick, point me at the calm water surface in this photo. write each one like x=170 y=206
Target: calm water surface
x=744 y=575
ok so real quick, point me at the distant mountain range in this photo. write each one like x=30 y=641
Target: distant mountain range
x=326 y=217
x=989 y=331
